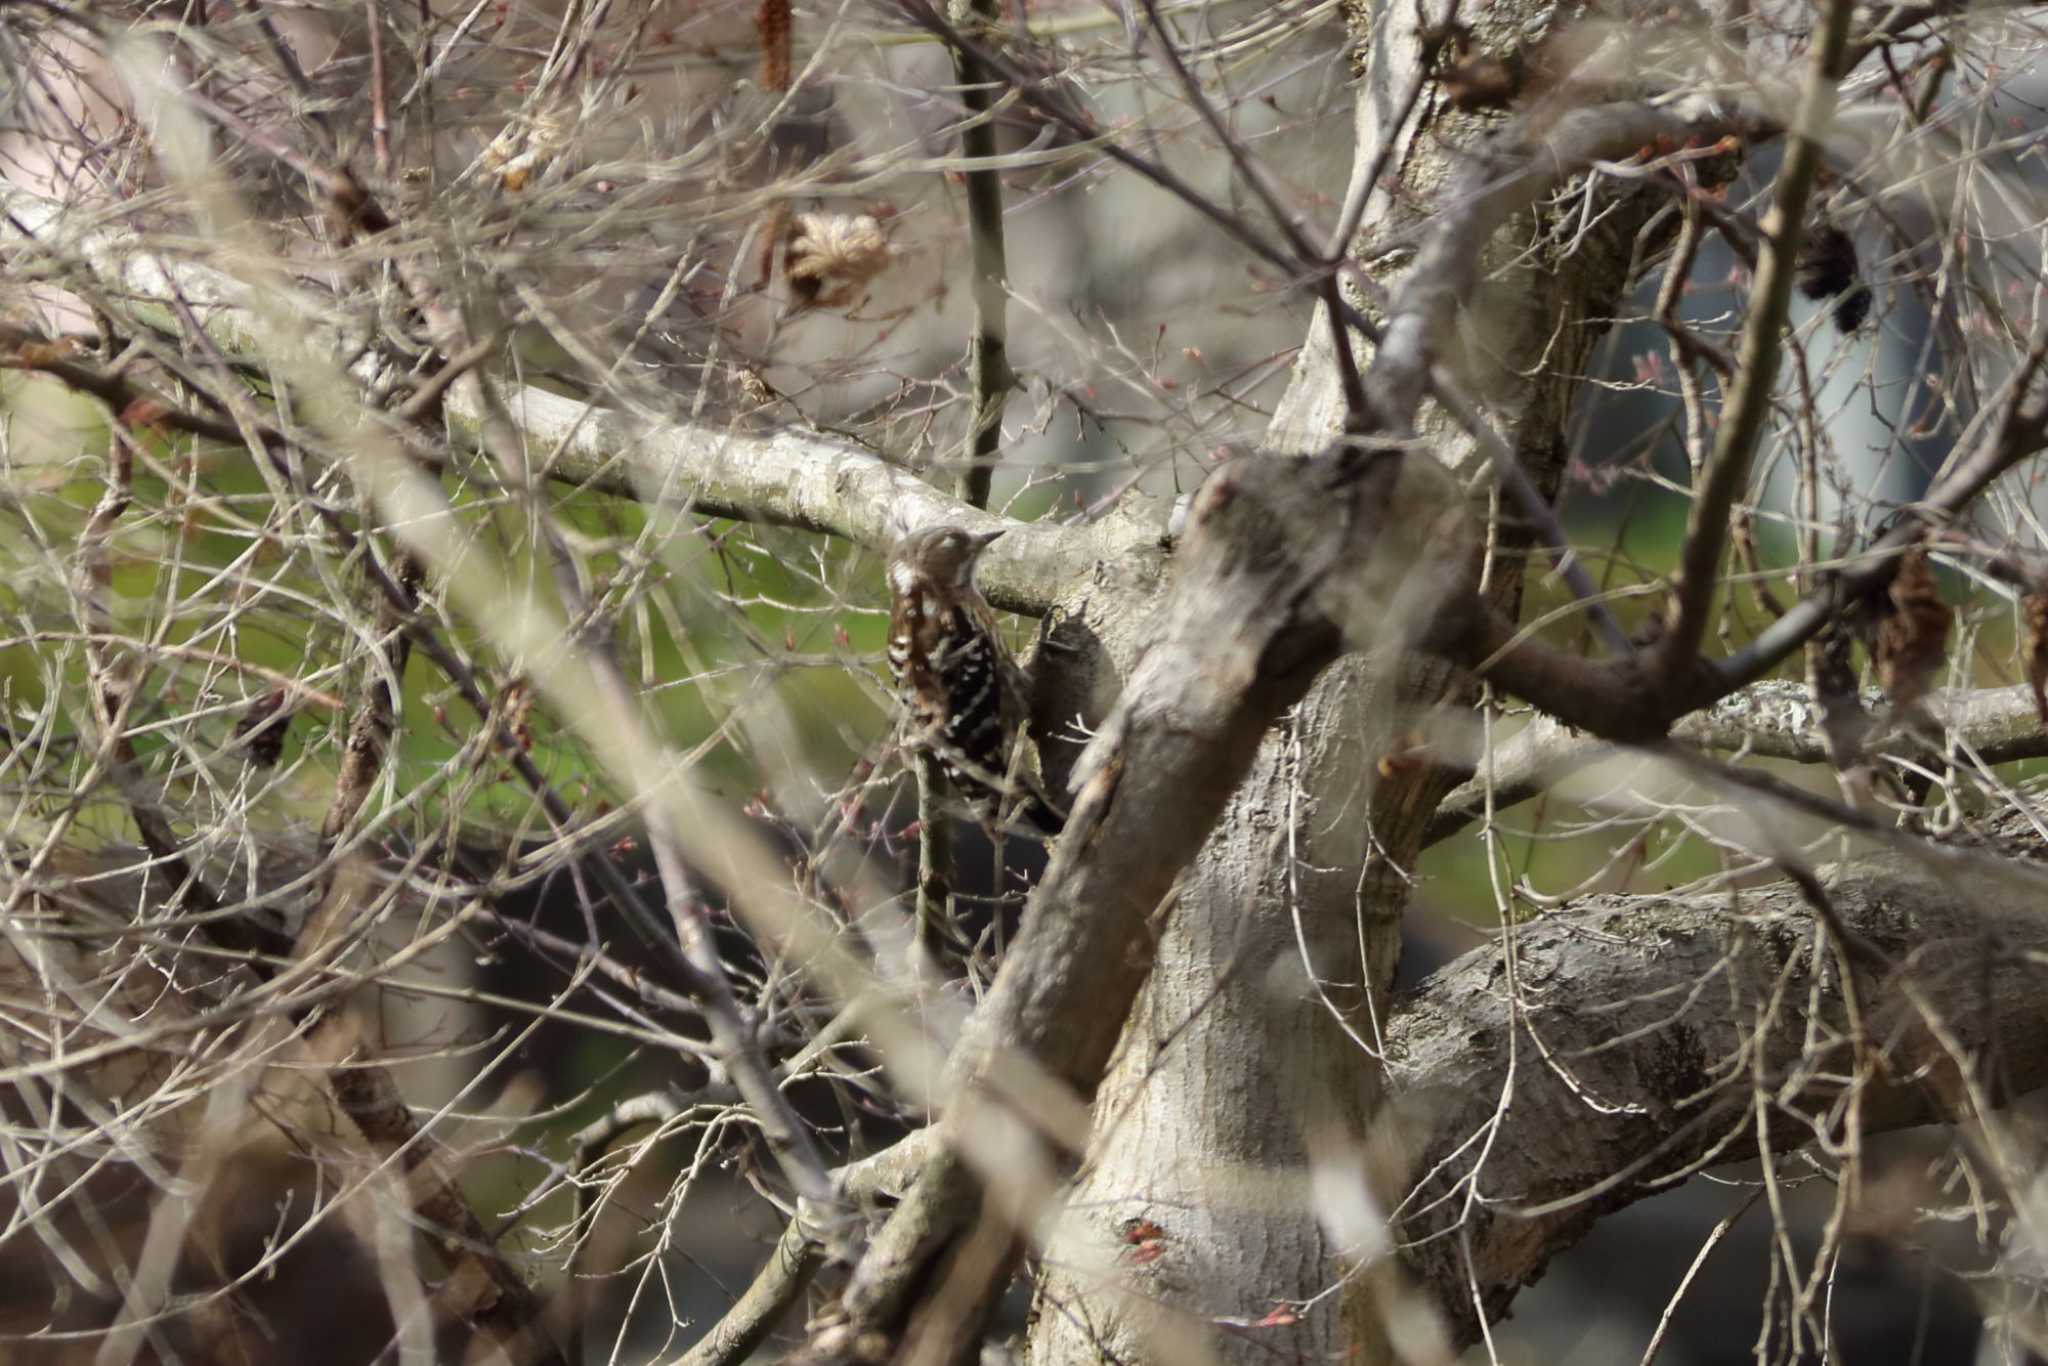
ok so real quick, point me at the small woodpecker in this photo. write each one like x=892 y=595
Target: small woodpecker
x=964 y=693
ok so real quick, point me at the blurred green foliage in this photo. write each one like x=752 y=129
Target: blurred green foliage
x=223 y=593
x=219 y=595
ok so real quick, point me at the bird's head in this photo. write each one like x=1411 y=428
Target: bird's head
x=946 y=554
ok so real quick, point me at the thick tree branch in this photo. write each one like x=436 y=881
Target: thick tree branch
x=1770 y=720
x=811 y=480
x=1286 y=563
x=1637 y=1074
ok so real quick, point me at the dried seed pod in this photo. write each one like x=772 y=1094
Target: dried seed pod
x=831 y=255
x=1912 y=632
x=2034 y=611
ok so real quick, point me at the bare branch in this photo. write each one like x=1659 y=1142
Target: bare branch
x=1771 y=720
x=1743 y=417
x=1285 y=563
x=988 y=352
x=1647 y=1085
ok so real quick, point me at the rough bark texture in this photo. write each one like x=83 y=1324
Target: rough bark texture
x=1284 y=564
x=1242 y=1063
x=1231 y=1066
x=1613 y=1052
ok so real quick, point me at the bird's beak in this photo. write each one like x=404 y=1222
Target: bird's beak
x=989 y=538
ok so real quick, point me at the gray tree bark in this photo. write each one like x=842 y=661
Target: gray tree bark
x=1612 y=1051
x=1248 y=1067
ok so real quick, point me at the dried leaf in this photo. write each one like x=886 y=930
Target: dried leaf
x=261 y=730
x=1828 y=268
x=831 y=255
x=2034 y=609
x=1912 y=632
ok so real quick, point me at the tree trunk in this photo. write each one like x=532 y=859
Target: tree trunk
x=1240 y=1107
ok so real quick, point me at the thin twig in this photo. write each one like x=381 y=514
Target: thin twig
x=791 y=1264
x=988 y=353
x=587 y=1147
x=380 y=117
x=1747 y=411
x=936 y=869
x=1434 y=285
x=799 y=1254
x=1713 y=1240
x=1233 y=147
x=111 y=697
x=2021 y=433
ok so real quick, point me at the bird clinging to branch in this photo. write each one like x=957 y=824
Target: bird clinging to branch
x=964 y=693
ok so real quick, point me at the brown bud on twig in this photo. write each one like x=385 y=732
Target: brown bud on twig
x=1912 y=632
